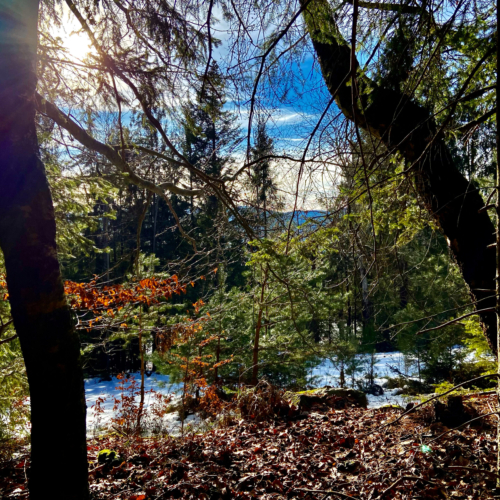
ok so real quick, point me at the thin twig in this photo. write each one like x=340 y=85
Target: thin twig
x=8 y=339
x=475 y=471
x=461 y=425
x=480 y=311
x=4 y=326
x=411 y=410
x=328 y=492
x=405 y=478
x=261 y=68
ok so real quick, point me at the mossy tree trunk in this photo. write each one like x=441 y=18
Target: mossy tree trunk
x=406 y=127
x=42 y=319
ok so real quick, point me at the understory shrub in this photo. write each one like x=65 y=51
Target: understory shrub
x=262 y=402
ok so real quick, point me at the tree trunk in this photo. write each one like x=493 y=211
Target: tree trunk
x=217 y=359
x=258 y=326
x=405 y=126
x=364 y=291
x=50 y=345
x=315 y=328
x=140 y=221
x=497 y=235
x=155 y=221
x=105 y=226
x=342 y=375
x=141 y=357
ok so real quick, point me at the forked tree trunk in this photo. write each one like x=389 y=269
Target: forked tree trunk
x=42 y=319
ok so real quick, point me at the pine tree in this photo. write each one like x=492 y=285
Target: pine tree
x=210 y=132
x=262 y=181
x=211 y=136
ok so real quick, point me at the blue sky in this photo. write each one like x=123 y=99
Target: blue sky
x=293 y=100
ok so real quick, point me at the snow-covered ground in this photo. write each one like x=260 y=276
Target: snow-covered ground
x=109 y=391
x=324 y=374
x=327 y=373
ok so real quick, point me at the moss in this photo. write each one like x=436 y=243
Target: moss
x=109 y=457
x=389 y=407
x=305 y=398
x=105 y=456
x=294 y=397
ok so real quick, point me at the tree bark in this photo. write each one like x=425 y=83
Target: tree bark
x=258 y=326
x=42 y=319
x=406 y=127
x=142 y=389
x=497 y=235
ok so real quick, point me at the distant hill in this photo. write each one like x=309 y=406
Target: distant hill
x=279 y=221
x=302 y=216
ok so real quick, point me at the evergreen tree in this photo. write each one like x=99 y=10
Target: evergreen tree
x=210 y=133
x=262 y=182
x=211 y=136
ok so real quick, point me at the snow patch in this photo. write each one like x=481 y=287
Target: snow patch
x=108 y=391
x=328 y=373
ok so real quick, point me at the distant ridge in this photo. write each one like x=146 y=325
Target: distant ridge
x=279 y=221
x=301 y=216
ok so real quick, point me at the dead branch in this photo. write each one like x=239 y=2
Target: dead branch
x=411 y=410
x=405 y=478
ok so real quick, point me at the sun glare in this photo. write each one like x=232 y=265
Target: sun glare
x=77 y=44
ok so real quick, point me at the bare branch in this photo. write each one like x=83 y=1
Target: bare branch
x=110 y=63
x=392 y=7
x=48 y=109
x=461 y=425
x=8 y=339
x=474 y=313
x=271 y=47
x=476 y=93
x=474 y=123
x=411 y=410
x=4 y=326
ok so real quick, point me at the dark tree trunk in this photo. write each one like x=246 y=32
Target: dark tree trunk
x=406 y=127
x=42 y=319
x=367 y=313
x=314 y=328
x=403 y=287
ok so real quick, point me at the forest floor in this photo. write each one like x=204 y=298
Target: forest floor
x=324 y=453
